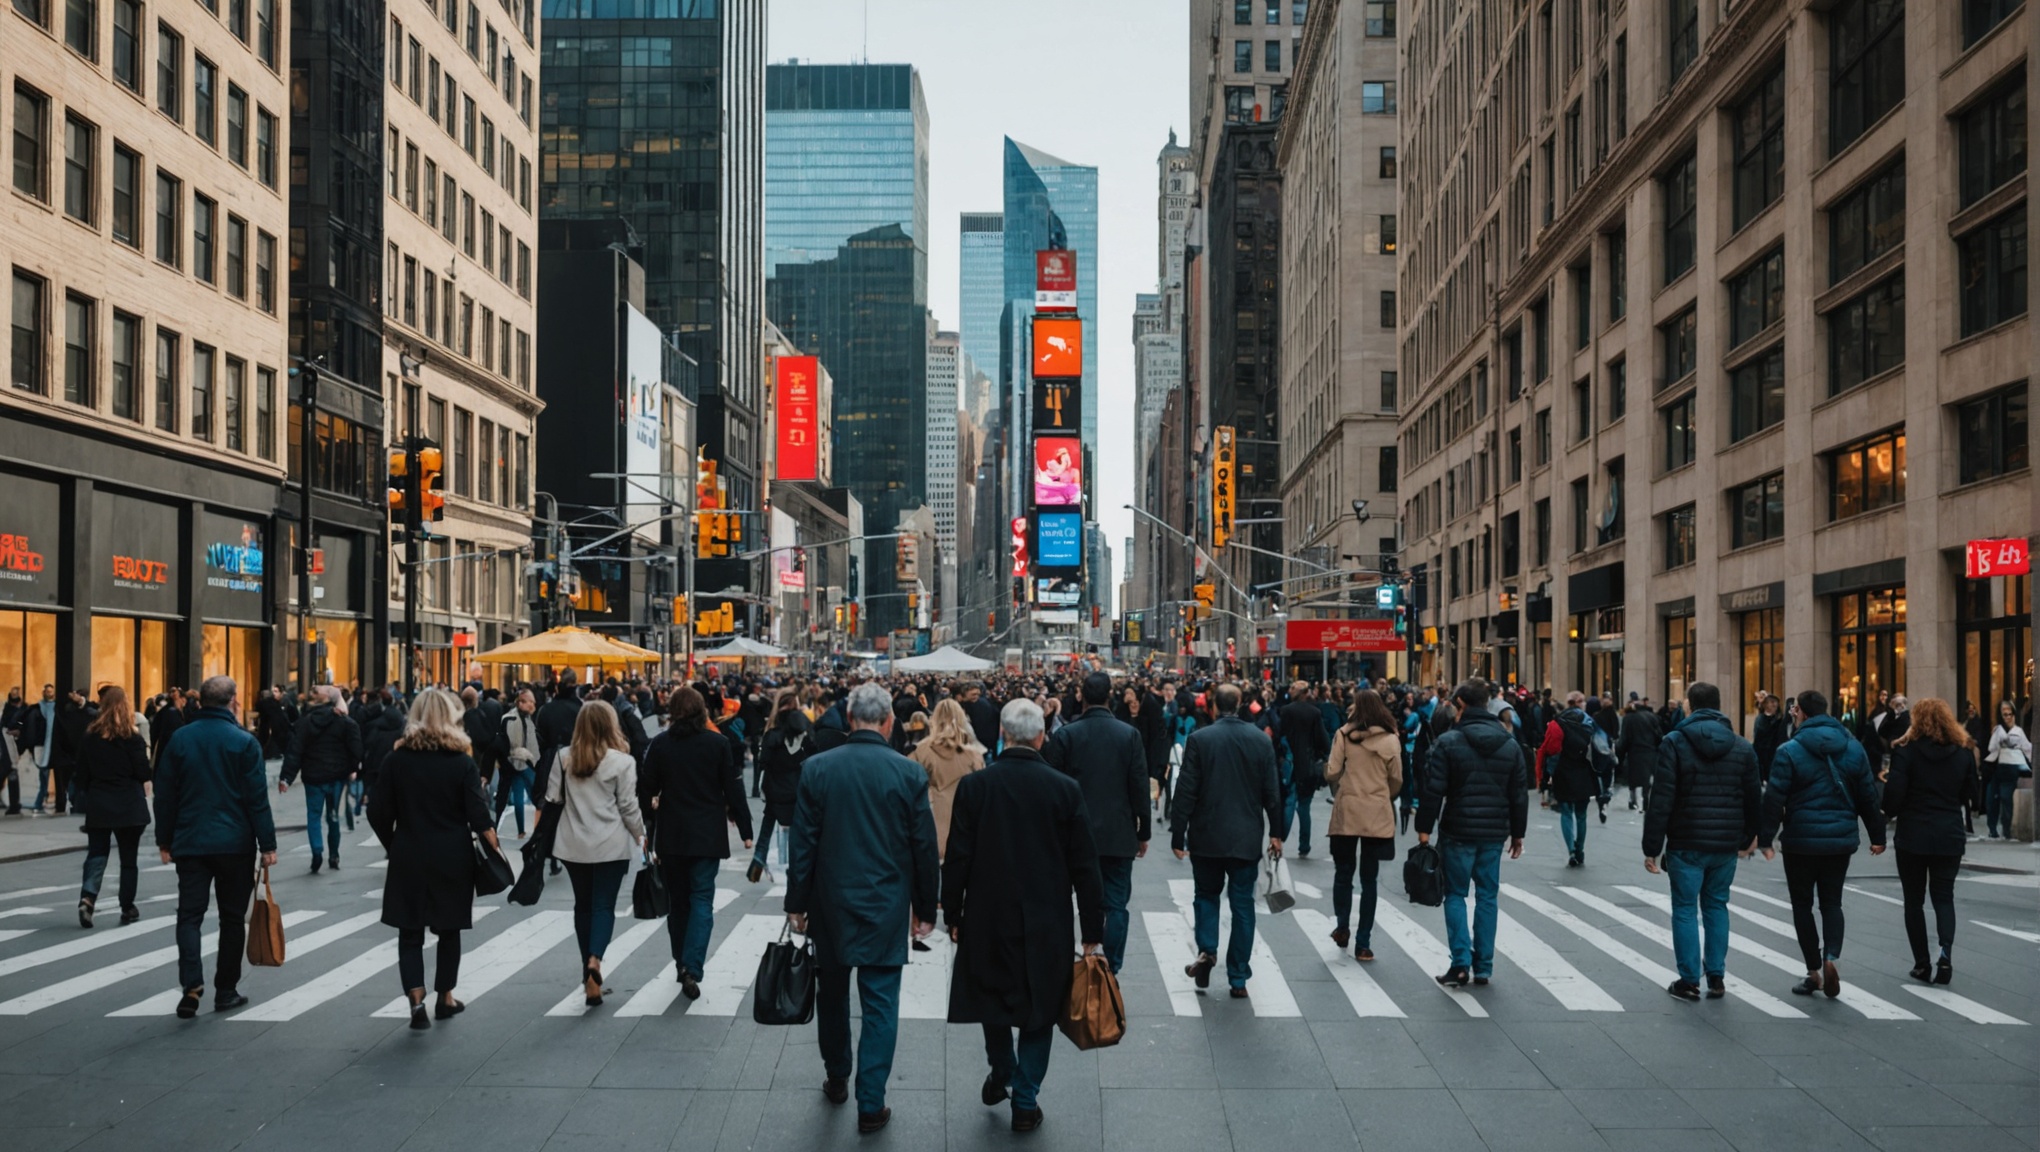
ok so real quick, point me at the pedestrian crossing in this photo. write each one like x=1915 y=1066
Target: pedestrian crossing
x=1561 y=949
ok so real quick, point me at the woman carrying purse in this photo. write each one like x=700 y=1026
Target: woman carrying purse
x=2009 y=757
x=599 y=828
x=1364 y=772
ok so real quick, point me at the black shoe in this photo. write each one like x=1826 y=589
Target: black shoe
x=689 y=986
x=920 y=946
x=1340 y=936
x=1480 y=981
x=1455 y=977
x=1808 y=986
x=1572 y=861
x=228 y=1001
x=1200 y=970
x=1683 y=990
x=333 y=862
x=1830 y=980
x=835 y=1091
x=85 y=912
x=1238 y=992
x=994 y=1091
x=1579 y=858
x=1923 y=972
x=447 y=1009
x=316 y=861
x=1716 y=988
x=420 y=1019
x=590 y=975
x=869 y=1122
x=187 y=1004
x=1027 y=1119
x=1944 y=970
x=130 y=914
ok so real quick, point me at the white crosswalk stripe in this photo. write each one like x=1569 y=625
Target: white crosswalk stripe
x=1430 y=956
x=338 y=981
x=84 y=944
x=14 y=934
x=1173 y=946
x=25 y=893
x=575 y=1003
x=1269 y=991
x=1361 y=991
x=500 y=957
x=22 y=912
x=295 y=949
x=924 y=982
x=1552 y=971
x=86 y=983
x=734 y=965
x=2014 y=933
x=1961 y=1005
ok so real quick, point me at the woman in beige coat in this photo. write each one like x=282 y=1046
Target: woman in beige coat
x=1365 y=774
x=949 y=754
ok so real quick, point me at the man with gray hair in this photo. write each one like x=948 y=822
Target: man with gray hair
x=862 y=873
x=325 y=748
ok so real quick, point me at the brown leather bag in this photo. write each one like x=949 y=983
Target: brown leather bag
x=1095 y=1016
x=265 y=928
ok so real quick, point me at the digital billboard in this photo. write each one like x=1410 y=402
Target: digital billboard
x=798 y=406
x=1058 y=541
x=644 y=361
x=1055 y=280
x=1061 y=593
x=1058 y=347
x=1058 y=472
x=1058 y=406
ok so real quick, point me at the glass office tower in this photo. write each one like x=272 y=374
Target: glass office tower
x=1053 y=203
x=982 y=296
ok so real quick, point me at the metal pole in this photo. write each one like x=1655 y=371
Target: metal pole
x=414 y=527
x=308 y=406
x=693 y=609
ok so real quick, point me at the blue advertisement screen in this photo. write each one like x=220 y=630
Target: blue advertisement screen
x=1059 y=540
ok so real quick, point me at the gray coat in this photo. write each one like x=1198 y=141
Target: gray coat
x=862 y=853
x=1228 y=794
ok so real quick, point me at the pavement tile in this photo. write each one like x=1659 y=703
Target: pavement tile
x=1526 y=1120
x=1165 y=1120
x=1664 y=1140
x=1969 y=1139
x=1410 y=1120
x=555 y=1052
x=1475 y=1054
x=1287 y=1118
x=1578 y=1054
x=1165 y=1052
x=332 y=1118
x=73 y=1100
x=1373 y=1054
x=1608 y=1108
x=1267 y=1053
x=1773 y=1118
x=2007 y=1104
x=1868 y=1106
x=512 y=1119
x=1840 y=1069
x=617 y=1118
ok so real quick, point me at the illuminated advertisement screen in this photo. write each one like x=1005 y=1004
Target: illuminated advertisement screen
x=1058 y=347
x=799 y=431
x=1059 y=593
x=1058 y=472
x=1058 y=541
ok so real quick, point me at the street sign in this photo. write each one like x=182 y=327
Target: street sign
x=1222 y=486
x=1990 y=558
x=1342 y=636
x=1384 y=596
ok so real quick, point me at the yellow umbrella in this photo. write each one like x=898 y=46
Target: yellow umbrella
x=630 y=650
x=559 y=646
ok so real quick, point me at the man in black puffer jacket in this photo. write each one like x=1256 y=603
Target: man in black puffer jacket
x=1705 y=799
x=325 y=748
x=1474 y=773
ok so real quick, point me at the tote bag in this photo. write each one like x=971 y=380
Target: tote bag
x=265 y=928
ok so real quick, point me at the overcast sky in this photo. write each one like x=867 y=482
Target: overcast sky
x=1096 y=82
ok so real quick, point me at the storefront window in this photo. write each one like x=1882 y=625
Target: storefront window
x=1869 y=648
x=28 y=652
x=1678 y=656
x=1760 y=637
x=235 y=652
x=134 y=654
x=1597 y=652
x=1994 y=627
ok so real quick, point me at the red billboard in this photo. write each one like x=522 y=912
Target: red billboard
x=1055 y=280
x=1058 y=348
x=799 y=406
x=1989 y=558
x=1342 y=636
x=1058 y=472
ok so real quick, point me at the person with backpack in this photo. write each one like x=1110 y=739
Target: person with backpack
x=1821 y=784
x=1565 y=761
x=1476 y=793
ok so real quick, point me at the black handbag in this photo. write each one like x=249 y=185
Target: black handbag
x=492 y=871
x=530 y=882
x=648 y=898
x=1423 y=876
x=785 y=987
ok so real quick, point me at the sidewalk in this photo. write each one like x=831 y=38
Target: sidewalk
x=28 y=837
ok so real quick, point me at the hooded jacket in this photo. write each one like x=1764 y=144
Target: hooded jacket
x=325 y=747
x=1929 y=785
x=1365 y=773
x=1475 y=777
x=1707 y=795
x=1820 y=786
x=378 y=739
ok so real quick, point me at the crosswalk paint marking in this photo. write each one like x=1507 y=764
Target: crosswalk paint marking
x=1764 y=897
x=1874 y=895
x=659 y=994
x=13 y=934
x=1310 y=890
x=338 y=981
x=924 y=982
x=733 y=965
x=2014 y=933
x=656 y=996
x=499 y=957
x=163 y=1003
x=1553 y=972
x=85 y=983
x=1649 y=969
x=1961 y=1005
x=1173 y=947
x=1271 y=995
x=575 y=1003
x=1424 y=949
x=25 y=893
x=1361 y=991
x=84 y=944
x=1876 y=1008
x=22 y=912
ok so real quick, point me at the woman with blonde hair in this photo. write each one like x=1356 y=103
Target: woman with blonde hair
x=426 y=809
x=1932 y=782
x=112 y=775
x=949 y=754
x=599 y=828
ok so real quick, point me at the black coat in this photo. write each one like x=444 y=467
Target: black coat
x=1571 y=773
x=632 y=722
x=1304 y=727
x=984 y=721
x=272 y=725
x=1636 y=747
x=555 y=723
x=1771 y=732
x=700 y=790
x=1929 y=786
x=1107 y=759
x=1019 y=845
x=1228 y=793
x=1475 y=776
x=861 y=857
x=1707 y=795
x=109 y=780
x=163 y=725
x=377 y=740
x=786 y=748
x=71 y=722
x=325 y=747
x=427 y=808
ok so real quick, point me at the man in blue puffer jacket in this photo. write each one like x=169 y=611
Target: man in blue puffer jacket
x=1820 y=785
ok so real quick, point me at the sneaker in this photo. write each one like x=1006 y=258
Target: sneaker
x=1199 y=971
x=1717 y=987
x=1684 y=990
x=1456 y=977
x=1830 y=980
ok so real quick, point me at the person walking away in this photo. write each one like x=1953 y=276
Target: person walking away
x=212 y=818
x=520 y=758
x=1020 y=846
x=426 y=809
x=272 y=726
x=113 y=774
x=481 y=733
x=1706 y=797
x=2007 y=757
x=950 y=753
x=379 y=737
x=1772 y=729
x=984 y=716
x=788 y=744
x=629 y=721
x=1636 y=749
x=694 y=788
x=600 y=828
x=1476 y=776
x=1566 y=761
x=73 y=716
x=1303 y=729
x=1228 y=800
x=555 y=720
x=1929 y=790
x=1108 y=760
x=1365 y=774
x=1821 y=785
x=164 y=724
x=863 y=877
x=325 y=749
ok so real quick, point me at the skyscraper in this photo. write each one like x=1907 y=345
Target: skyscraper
x=945 y=372
x=1052 y=203
x=982 y=274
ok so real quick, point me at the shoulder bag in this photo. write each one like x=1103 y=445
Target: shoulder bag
x=492 y=871
x=785 y=987
x=1423 y=876
x=265 y=928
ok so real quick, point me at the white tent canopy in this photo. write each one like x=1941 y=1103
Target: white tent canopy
x=742 y=648
x=944 y=659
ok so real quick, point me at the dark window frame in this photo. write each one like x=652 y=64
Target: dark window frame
x=1855 y=353
x=1679 y=433
x=1991 y=262
x=1681 y=537
x=1759 y=161
x=1680 y=187
x=1990 y=138
x=1867 y=222
x=1991 y=434
x=1756 y=394
x=1853 y=490
x=1860 y=58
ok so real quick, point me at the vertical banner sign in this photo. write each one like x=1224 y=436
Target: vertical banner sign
x=799 y=424
x=1222 y=472
x=644 y=359
x=1989 y=558
x=1019 y=547
x=1055 y=281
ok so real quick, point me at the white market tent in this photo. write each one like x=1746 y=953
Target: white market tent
x=944 y=659
x=741 y=649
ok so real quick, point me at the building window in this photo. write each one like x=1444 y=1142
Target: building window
x=1388 y=310
x=1992 y=135
x=265 y=272
x=265 y=32
x=126 y=360
x=1385 y=167
x=1681 y=643
x=1243 y=56
x=202 y=358
x=169 y=219
x=1377 y=97
x=1618 y=389
x=1991 y=432
x=204 y=225
x=265 y=147
x=1387 y=235
x=1681 y=546
x=1756 y=394
x=205 y=79
x=237 y=19
x=237 y=258
x=1618 y=276
x=1389 y=398
x=1682 y=26
x=1760 y=148
x=1581 y=516
x=1243 y=11
x=1756 y=298
x=1541 y=432
x=1867 y=223
x=1866 y=336
x=81 y=345
x=1380 y=18
x=1583 y=409
x=35 y=11
x=31 y=142
x=1866 y=66
x=1869 y=632
x=127 y=197
x=81 y=170
x=1385 y=479
x=1271 y=56
x=1680 y=440
x=234 y=403
x=237 y=125
x=169 y=73
x=1980 y=16
x=1681 y=217
x=127 y=44
x=81 y=27
x=1993 y=272
x=1540 y=343
x=1541 y=521
x=167 y=345
x=1621 y=85
x=29 y=321
x=1583 y=305
x=1866 y=476
x=265 y=413
x=1681 y=346
x=1757 y=511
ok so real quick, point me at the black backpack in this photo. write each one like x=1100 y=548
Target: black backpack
x=1578 y=749
x=1423 y=876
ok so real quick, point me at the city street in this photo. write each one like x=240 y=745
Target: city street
x=1574 y=1046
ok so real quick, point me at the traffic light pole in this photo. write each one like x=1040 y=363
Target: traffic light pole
x=413 y=528
x=308 y=407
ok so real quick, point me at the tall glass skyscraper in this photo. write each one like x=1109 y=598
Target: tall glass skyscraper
x=1053 y=203
x=982 y=277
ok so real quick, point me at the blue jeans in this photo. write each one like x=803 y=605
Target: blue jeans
x=690 y=886
x=1210 y=874
x=513 y=789
x=1117 y=873
x=1572 y=825
x=42 y=787
x=1999 y=792
x=595 y=888
x=1481 y=864
x=1286 y=769
x=767 y=829
x=322 y=806
x=1024 y=1065
x=878 y=994
x=1700 y=886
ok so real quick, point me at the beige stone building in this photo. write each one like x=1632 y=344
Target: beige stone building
x=142 y=440
x=1715 y=345
x=460 y=228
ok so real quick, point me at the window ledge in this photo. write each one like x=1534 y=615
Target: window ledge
x=26 y=198
x=1670 y=472
x=1748 y=549
x=1961 y=490
x=1983 y=334
x=1969 y=52
x=1858 y=518
x=1750 y=224
x=1759 y=434
x=1868 y=131
x=1683 y=566
x=1674 y=385
x=1756 y=347
x=1861 y=280
x=1676 y=281
x=1896 y=370
x=1994 y=202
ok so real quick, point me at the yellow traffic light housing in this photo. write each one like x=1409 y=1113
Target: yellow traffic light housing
x=431 y=484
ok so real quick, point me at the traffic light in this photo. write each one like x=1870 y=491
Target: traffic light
x=431 y=483
x=680 y=611
x=715 y=621
x=1402 y=620
x=1207 y=595
x=401 y=501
